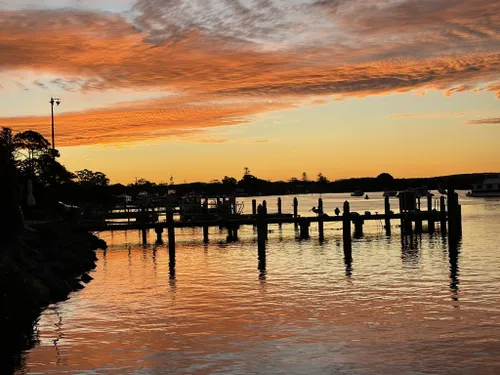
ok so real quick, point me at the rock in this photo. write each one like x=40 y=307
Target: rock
x=86 y=278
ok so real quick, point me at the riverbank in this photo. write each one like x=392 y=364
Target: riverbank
x=40 y=266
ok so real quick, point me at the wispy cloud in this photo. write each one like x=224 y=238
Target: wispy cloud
x=428 y=115
x=484 y=121
x=229 y=60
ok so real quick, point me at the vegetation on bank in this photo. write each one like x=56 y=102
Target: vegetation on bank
x=40 y=263
x=36 y=161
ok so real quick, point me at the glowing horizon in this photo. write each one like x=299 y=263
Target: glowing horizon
x=200 y=89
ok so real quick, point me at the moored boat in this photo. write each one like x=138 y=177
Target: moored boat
x=489 y=188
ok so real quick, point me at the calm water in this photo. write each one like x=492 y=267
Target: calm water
x=401 y=309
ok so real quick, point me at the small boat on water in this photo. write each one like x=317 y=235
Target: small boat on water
x=367 y=197
x=489 y=188
x=357 y=193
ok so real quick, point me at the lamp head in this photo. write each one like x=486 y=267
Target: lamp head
x=58 y=101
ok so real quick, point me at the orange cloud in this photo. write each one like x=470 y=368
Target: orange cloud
x=484 y=121
x=159 y=119
x=228 y=63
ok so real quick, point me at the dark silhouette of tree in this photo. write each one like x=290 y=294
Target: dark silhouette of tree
x=304 y=177
x=87 y=177
x=7 y=142
x=231 y=181
x=50 y=172
x=322 y=179
x=294 y=180
x=29 y=145
x=246 y=171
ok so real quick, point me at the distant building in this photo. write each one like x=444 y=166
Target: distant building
x=124 y=198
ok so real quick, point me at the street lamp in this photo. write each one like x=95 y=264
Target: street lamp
x=52 y=101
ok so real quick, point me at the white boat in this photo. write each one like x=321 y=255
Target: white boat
x=489 y=188
x=357 y=193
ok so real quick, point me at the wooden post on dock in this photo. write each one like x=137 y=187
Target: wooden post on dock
x=358 y=227
x=205 y=218
x=171 y=232
x=442 y=209
x=159 y=231
x=430 y=223
x=279 y=206
x=346 y=231
x=261 y=236
x=295 y=211
x=418 y=222
x=304 y=228
x=321 y=227
x=264 y=206
x=387 y=212
x=254 y=207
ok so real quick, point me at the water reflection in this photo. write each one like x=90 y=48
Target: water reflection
x=410 y=249
x=454 y=254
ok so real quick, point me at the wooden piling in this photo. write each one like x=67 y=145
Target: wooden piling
x=171 y=233
x=279 y=206
x=418 y=223
x=358 y=227
x=261 y=235
x=264 y=207
x=295 y=211
x=442 y=214
x=387 y=211
x=321 y=227
x=346 y=231
x=205 y=217
x=159 y=231
x=304 y=228
x=254 y=207
x=430 y=222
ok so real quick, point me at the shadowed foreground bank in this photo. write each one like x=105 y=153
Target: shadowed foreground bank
x=40 y=264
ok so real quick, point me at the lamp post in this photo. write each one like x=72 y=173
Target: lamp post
x=52 y=101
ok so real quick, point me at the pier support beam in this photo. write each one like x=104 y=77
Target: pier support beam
x=264 y=207
x=304 y=228
x=346 y=231
x=254 y=207
x=171 y=233
x=261 y=236
x=279 y=206
x=205 y=217
x=159 y=231
x=442 y=212
x=321 y=224
x=430 y=223
x=387 y=211
x=358 y=228
x=295 y=211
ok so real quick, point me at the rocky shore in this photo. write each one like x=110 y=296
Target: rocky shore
x=39 y=266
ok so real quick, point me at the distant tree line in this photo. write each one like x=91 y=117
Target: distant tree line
x=35 y=160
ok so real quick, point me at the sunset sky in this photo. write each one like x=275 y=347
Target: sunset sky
x=199 y=89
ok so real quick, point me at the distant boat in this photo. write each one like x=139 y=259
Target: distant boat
x=390 y=193
x=357 y=193
x=489 y=188
x=367 y=197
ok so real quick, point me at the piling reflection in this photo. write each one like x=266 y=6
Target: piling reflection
x=410 y=249
x=454 y=254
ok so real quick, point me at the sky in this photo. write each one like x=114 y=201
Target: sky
x=200 y=89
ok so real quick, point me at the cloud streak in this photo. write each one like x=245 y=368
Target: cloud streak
x=229 y=60
x=484 y=121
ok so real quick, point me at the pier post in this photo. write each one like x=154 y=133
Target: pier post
x=159 y=231
x=232 y=234
x=205 y=218
x=295 y=211
x=418 y=222
x=358 y=227
x=304 y=228
x=279 y=206
x=171 y=233
x=261 y=236
x=442 y=214
x=254 y=207
x=346 y=231
x=144 y=236
x=321 y=227
x=387 y=211
x=430 y=223
x=264 y=207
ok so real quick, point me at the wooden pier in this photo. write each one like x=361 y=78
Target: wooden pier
x=410 y=218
